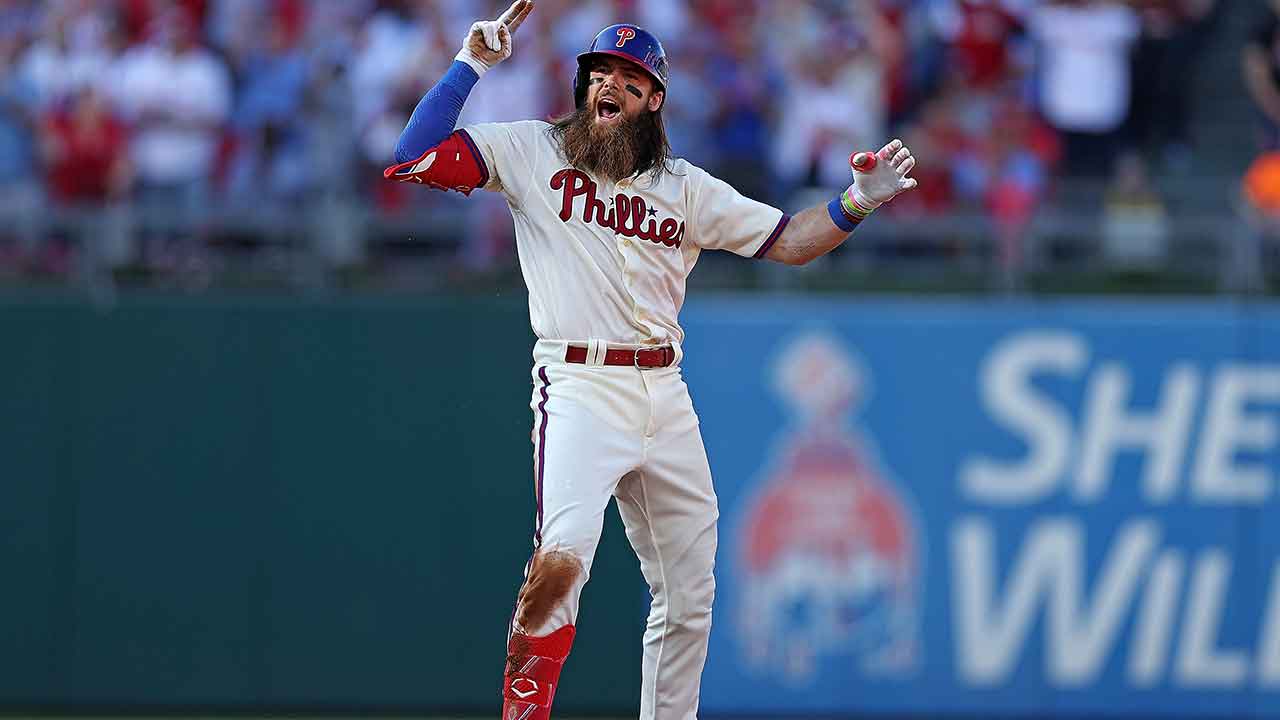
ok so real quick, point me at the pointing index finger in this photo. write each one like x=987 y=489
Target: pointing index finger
x=511 y=12
x=516 y=14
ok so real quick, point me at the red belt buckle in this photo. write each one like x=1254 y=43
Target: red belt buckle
x=665 y=360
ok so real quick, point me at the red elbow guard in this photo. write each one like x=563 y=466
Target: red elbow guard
x=454 y=164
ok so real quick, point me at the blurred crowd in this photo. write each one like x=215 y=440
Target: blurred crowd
x=184 y=103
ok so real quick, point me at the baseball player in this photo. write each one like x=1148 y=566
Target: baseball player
x=608 y=226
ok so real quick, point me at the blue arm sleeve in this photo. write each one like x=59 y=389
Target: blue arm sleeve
x=437 y=112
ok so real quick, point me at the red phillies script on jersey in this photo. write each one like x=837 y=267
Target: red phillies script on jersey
x=626 y=217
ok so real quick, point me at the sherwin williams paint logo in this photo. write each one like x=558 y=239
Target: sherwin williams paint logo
x=829 y=551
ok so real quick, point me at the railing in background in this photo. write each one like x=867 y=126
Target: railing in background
x=338 y=244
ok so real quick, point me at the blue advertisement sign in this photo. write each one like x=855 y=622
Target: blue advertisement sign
x=1061 y=508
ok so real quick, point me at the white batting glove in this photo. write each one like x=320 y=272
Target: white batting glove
x=488 y=42
x=879 y=177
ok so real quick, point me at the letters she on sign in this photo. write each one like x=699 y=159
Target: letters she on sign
x=1239 y=404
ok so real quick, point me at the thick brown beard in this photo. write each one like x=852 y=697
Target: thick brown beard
x=616 y=150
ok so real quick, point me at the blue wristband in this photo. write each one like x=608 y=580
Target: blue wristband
x=838 y=217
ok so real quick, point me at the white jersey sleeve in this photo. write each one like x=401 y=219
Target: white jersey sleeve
x=721 y=218
x=508 y=153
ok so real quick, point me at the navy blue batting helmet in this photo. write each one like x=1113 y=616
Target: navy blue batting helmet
x=629 y=42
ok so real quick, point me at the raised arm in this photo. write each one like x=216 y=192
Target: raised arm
x=820 y=229
x=487 y=44
x=1258 y=80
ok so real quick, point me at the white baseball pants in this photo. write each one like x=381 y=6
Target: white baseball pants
x=631 y=434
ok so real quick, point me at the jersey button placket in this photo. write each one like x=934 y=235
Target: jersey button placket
x=625 y=244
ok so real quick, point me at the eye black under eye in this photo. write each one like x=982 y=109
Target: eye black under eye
x=635 y=91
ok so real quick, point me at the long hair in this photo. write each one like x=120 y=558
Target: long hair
x=641 y=144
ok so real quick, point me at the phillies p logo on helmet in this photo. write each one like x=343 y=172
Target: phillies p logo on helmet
x=628 y=42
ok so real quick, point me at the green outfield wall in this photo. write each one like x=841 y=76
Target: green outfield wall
x=277 y=503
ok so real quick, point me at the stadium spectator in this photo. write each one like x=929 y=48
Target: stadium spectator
x=979 y=35
x=1260 y=206
x=401 y=43
x=270 y=135
x=914 y=75
x=1084 y=76
x=329 y=109
x=17 y=162
x=177 y=95
x=85 y=151
x=740 y=87
x=1002 y=166
x=695 y=125
x=70 y=54
x=1018 y=154
x=1262 y=75
x=19 y=192
x=836 y=98
x=1173 y=33
x=937 y=141
x=1135 y=222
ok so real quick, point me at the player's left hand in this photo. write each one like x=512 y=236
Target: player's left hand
x=879 y=177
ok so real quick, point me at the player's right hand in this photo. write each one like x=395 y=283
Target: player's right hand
x=488 y=42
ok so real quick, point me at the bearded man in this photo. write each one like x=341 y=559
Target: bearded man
x=608 y=226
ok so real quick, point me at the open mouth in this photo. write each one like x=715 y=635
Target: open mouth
x=607 y=109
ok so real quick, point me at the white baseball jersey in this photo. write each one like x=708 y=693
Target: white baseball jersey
x=604 y=260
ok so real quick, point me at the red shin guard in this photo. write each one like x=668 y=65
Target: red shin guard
x=533 y=671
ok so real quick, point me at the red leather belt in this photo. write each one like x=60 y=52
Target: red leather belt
x=657 y=357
